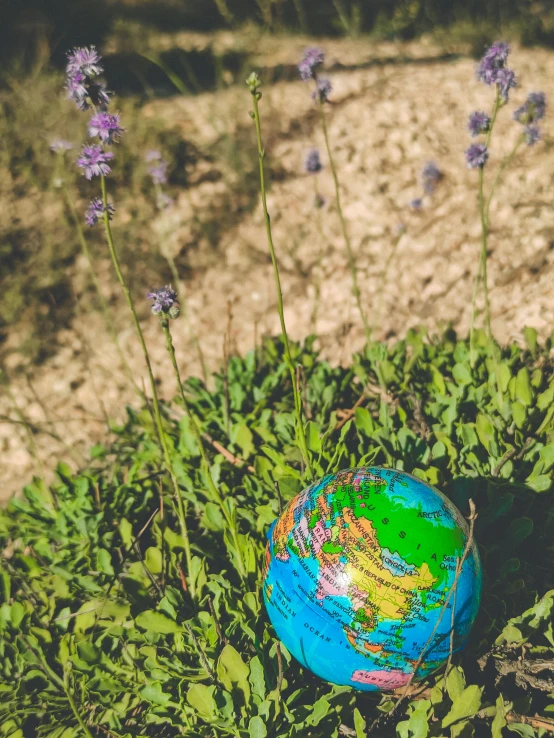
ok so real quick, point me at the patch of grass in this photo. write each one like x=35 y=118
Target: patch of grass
x=98 y=635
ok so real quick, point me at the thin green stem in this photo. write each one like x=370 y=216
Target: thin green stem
x=505 y=163
x=482 y=263
x=350 y=253
x=156 y=405
x=103 y=304
x=164 y=322
x=301 y=436
x=484 y=235
x=78 y=716
x=180 y=285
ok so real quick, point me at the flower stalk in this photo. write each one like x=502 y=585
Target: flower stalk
x=344 y=229
x=155 y=402
x=254 y=86
x=208 y=479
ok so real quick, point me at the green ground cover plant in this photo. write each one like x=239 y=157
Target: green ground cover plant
x=99 y=633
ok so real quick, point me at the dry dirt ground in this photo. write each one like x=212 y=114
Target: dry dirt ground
x=393 y=108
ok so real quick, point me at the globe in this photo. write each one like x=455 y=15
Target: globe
x=360 y=578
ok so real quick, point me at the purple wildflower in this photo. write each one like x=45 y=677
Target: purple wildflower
x=94 y=161
x=313 y=58
x=77 y=90
x=505 y=81
x=106 y=126
x=533 y=109
x=532 y=135
x=479 y=122
x=96 y=211
x=60 y=146
x=431 y=176
x=416 y=203
x=83 y=65
x=323 y=90
x=84 y=60
x=164 y=300
x=159 y=172
x=152 y=155
x=476 y=156
x=312 y=163
x=493 y=60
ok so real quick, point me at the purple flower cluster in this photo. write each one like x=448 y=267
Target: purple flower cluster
x=431 y=176
x=106 y=126
x=164 y=301
x=476 y=156
x=312 y=163
x=479 y=122
x=82 y=69
x=94 y=161
x=323 y=90
x=83 y=87
x=96 y=211
x=312 y=59
x=158 y=172
x=532 y=135
x=528 y=114
x=492 y=69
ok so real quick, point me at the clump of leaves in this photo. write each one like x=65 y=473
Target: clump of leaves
x=99 y=635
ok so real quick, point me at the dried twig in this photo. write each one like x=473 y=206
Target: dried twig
x=231 y=458
x=217 y=624
x=347 y=414
x=535 y=722
x=200 y=650
x=280 y=665
x=511 y=453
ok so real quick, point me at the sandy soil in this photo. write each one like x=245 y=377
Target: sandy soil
x=387 y=118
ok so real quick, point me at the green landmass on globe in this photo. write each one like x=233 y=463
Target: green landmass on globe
x=360 y=574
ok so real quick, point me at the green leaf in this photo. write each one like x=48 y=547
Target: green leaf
x=438 y=380
x=524 y=391
x=530 y=336
x=462 y=730
x=243 y=437
x=231 y=670
x=257 y=678
x=418 y=723
x=104 y=561
x=540 y=483
x=364 y=421
x=153 y=560
x=522 y=729
x=499 y=720
x=157 y=622
x=313 y=437
x=485 y=430
x=519 y=414
x=359 y=724
x=201 y=698
x=455 y=682
x=153 y=692
x=464 y=706
x=256 y=727
x=319 y=711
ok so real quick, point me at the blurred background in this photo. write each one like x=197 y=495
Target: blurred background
x=403 y=85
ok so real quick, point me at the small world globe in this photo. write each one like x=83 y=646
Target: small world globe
x=360 y=578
